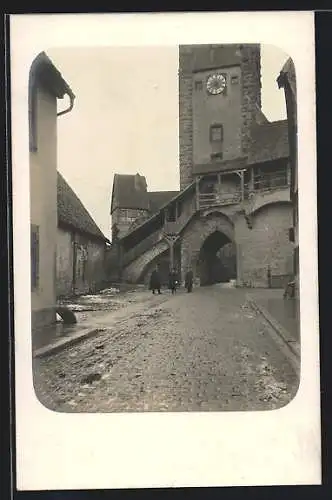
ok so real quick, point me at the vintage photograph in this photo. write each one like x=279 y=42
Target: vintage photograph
x=164 y=228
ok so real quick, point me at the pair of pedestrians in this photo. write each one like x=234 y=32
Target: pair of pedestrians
x=155 y=281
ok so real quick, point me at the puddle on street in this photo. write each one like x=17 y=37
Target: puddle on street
x=46 y=335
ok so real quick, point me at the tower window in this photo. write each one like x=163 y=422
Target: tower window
x=199 y=85
x=234 y=80
x=216 y=133
x=217 y=156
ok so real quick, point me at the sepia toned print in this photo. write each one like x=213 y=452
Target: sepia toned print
x=191 y=302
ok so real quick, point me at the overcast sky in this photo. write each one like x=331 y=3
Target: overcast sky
x=125 y=118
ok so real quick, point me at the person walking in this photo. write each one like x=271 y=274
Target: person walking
x=173 y=282
x=155 y=281
x=189 y=278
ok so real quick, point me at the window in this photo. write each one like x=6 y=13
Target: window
x=234 y=80
x=171 y=214
x=128 y=215
x=198 y=85
x=34 y=257
x=216 y=156
x=216 y=133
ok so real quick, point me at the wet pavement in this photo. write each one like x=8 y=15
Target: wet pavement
x=285 y=311
x=87 y=309
x=205 y=351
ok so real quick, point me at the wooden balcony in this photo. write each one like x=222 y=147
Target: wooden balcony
x=208 y=200
x=270 y=182
x=254 y=193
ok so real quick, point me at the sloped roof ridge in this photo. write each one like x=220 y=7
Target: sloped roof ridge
x=71 y=210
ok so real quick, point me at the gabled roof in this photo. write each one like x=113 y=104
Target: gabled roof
x=126 y=194
x=129 y=191
x=269 y=141
x=72 y=212
x=159 y=198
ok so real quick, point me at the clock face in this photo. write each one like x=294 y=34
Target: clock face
x=216 y=83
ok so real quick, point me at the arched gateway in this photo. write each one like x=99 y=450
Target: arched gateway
x=202 y=245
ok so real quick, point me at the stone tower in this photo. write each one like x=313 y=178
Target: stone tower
x=214 y=126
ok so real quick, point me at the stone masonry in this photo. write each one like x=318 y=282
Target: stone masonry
x=249 y=61
x=251 y=90
x=185 y=117
x=265 y=246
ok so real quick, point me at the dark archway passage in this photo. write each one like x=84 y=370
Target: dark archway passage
x=213 y=266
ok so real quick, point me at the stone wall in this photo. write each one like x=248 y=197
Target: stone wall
x=265 y=245
x=127 y=218
x=64 y=263
x=81 y=264
x=244 y=109
x=112 y=265
x=185 y=116
x=223 y=109
x=251 y=90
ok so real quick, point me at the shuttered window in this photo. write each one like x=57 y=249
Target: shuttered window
x=34 y=257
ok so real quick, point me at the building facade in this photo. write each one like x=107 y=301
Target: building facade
x=46 y=86
x=227 y=146
x=219 y=99
x=132 y=203
x=287 y=81
x=232 y=215
x=81 y=265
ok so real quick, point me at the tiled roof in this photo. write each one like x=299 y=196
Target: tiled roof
x=159 y=198
x=269 y=142
x=71 y=211
x=126 y=195
x=222 y=166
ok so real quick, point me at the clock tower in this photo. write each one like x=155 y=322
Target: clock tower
x=220 y=93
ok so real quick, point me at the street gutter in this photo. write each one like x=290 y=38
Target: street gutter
x=293 y=348
x=65 y=342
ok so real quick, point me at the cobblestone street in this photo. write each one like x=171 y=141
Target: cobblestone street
x=190 y=352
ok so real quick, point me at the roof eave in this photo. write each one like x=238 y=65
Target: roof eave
x=42 y=65
x=63 y=224
x=253 y=162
